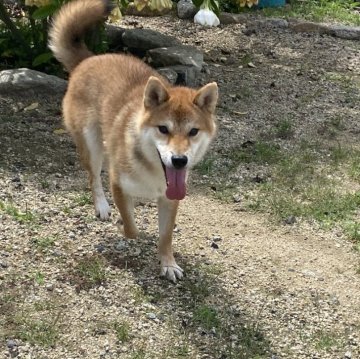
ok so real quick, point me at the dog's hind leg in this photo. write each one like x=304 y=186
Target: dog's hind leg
x=91 y=150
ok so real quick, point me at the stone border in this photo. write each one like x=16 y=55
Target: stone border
x=340 y=31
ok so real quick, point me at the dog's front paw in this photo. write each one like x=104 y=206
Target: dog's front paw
x=102 y=210
x=171 y=270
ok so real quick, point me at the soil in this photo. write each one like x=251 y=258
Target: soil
x=74 y=287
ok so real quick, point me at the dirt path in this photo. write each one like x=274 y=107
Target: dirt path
x=73 y=287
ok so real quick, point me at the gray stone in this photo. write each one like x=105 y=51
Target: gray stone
x=11 y=344
x=179 y=55
x=186 y=9
x=151 y=316
x=114 y=34
x=30 y=82
x=145 y=39
x=3 y=264
x=228 y=18
x=170 y=74
x=121 y=245
x=276 y=22
x=309 y=27
x=186 y=75
x=348 y=355
x=341 y=31
x=290 y=220
x=345 y=32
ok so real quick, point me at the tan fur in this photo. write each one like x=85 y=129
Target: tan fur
x=115 y=104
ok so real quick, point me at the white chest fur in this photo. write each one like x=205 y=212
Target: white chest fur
x=143 y=184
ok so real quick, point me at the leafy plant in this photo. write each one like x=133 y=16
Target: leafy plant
x=24 y=38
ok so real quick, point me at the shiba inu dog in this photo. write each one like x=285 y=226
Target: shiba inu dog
x=152 y=132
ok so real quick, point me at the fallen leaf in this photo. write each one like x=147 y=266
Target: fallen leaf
x=33 y=106
x=60 y=131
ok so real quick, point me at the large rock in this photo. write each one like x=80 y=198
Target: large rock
x=227 y=18
x=181 y=74
x=145 y=39
x=186 y=9
x=169 y=74
x=115 y=34
x=345 y=32
x=179 y=55
x=31 y=82
x=187 y=75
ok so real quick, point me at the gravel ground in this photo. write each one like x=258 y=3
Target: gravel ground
x=73 y=287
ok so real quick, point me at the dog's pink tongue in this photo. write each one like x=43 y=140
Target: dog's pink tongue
x=176 y=187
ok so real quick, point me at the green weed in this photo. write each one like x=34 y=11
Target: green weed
x=39 y=278
x=16 y=214
x=207 y=317
x=122 y=331
x=89 y=272
x=83 y=199
x=325 y=341
x=43 y=243
x=205 y=167
x=259 y=152
x=39 y=332
x=284 y=129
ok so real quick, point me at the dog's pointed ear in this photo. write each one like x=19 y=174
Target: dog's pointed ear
x=206 y=98
x=155 y=93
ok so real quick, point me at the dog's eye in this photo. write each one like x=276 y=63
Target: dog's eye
x=163 y=129
x=193 y=132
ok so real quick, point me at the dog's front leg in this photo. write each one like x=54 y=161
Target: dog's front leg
x=125 y=205
x=167 y=213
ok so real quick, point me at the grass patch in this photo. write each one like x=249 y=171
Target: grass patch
x=312 y=180
x=122 y=331
x=83 y=199
x=206 y=166
x=206 y=317
x=284 y=129
x=354 y=169
x=260 y=152
x=89 y=272
x=353 y=231
x=39 y=278
x=39 y=332
x=325 y=341
x=319 y=11
x=198 y=291
x=18 y=215
x=43 y=244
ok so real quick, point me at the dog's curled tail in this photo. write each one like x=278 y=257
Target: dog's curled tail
x=70 y=26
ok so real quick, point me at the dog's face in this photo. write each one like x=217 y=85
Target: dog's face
x=180 y=124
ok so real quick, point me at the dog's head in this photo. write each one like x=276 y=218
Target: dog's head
x=180 y=123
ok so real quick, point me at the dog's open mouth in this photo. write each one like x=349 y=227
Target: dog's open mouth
x=175 y=181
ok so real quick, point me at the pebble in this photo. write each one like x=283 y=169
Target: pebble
x=50 y=287
x=214 y=245
x=290 y=220
x=151 y=316
x=3 y=264
x=100 y=247
x=216 y=238
x=11 y=344
x=120 y=245
x=348 y=355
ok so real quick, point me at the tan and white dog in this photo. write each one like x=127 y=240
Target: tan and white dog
x=151 y=131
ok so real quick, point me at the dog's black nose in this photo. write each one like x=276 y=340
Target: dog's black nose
x=179 y=161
